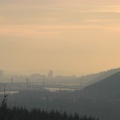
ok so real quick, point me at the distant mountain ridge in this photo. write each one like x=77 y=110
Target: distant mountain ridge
x=93 y=78
x=106 y=88
x=105 y=74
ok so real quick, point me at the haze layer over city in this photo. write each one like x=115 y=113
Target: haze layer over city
x=59 y=59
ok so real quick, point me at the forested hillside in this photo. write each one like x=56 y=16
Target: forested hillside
x=18 y=113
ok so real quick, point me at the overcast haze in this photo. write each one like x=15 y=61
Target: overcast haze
x=77 y=36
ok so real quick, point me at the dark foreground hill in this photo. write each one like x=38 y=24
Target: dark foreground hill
x=106 y=88
x=71 y=102
x=17 y=113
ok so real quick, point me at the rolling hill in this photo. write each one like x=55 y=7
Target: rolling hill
x=106 y=88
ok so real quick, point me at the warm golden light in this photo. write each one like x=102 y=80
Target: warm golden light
x=75 y=36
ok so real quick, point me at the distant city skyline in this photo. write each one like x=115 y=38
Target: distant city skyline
x=46 y=72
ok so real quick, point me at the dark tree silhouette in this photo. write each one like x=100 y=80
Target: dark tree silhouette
x=17 y=113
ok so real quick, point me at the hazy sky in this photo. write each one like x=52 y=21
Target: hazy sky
x=76 y=36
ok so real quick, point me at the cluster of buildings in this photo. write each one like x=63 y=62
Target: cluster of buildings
x=39 y=76
x=35 y=78
x=35 y=81
x=32 y=77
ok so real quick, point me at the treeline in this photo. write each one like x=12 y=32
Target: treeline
x=17 y=113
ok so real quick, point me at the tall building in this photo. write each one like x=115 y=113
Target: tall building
x=50 y=74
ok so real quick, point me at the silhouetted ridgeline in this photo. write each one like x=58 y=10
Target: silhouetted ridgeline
x=100 y=76
x=17 y=113
x=106 y=88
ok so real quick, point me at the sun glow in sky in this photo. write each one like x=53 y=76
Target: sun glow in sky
x=76 y=36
